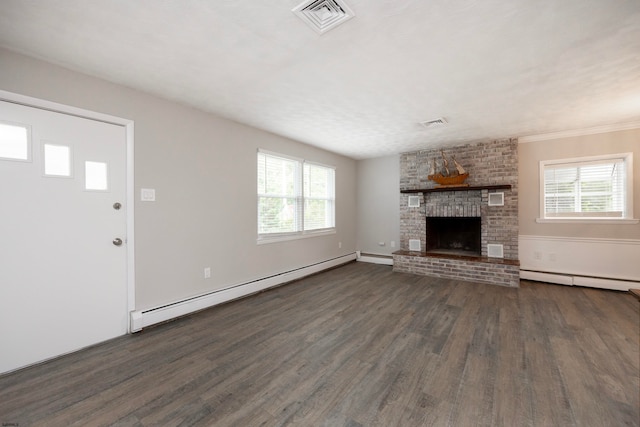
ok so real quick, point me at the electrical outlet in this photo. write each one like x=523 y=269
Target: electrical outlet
x=393 y=244
x=147 y=194
x=381 y=243
x=207 y=273
x=339 y=245
x=537 y=255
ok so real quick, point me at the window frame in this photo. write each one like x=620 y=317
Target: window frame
x=297 y=196
x=628 y=217
x=331 y=198
x=300 y=232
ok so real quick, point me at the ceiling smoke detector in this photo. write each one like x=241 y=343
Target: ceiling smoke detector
x=323 y=15
x=441 y=121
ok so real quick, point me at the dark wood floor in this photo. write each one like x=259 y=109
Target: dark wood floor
x=357 y=346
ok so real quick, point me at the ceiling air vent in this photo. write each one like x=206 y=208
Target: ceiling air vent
x=323 y=15
x=434 y=123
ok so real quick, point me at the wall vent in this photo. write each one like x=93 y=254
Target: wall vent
x=496 y=199
x=323 y=15
x=495 y=251
x=415 y=245
x=414 y=201
x=441 y=121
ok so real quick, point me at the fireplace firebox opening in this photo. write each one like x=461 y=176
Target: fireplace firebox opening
x=454 y=235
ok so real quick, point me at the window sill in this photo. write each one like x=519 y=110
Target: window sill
x=295 y=236
x=587 y=220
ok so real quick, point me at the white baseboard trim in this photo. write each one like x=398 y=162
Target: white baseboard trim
x=382 y=259
x=592 y=282
x=597 y=282
x=540 y=276
x=144 y=318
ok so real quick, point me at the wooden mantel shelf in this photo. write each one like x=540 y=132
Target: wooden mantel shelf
x=470 y=188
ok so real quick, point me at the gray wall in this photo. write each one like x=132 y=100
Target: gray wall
x=378 y=205
x=530 y=155
x=203 y=168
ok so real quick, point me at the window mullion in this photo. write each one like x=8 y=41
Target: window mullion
x=578 y=191
x=300 y=193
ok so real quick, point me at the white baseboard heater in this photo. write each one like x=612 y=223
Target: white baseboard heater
x=572 y=280
x=374 y=258
x=143 y=318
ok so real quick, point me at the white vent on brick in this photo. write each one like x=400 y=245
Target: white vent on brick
x=495 y=251
x=323 y=15
x=414 y=245
x=496 y=199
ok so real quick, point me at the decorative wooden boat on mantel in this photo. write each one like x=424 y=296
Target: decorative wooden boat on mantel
x=448 y=179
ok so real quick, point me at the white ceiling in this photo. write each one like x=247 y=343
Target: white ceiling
x=492 y=68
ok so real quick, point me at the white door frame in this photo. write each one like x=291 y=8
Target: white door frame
x=128 y=125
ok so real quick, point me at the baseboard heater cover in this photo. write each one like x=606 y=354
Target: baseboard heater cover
x=572 y=280
x=384 y=260
x=143 y=318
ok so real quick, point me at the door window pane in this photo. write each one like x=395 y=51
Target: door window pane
x=14 y=142
x=57 y=160
x=96 y=176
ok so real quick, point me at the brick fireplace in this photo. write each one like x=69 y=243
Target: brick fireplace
x=483 y=246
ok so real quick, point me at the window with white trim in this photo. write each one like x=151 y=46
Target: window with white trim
x=319 y=197
x=595 y=188
x=295 y=197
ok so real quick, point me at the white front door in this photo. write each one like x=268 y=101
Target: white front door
x=63 y=271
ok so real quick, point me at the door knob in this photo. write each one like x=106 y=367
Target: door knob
x=117 y=241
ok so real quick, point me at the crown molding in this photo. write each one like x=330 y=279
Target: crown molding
x=579 y=132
